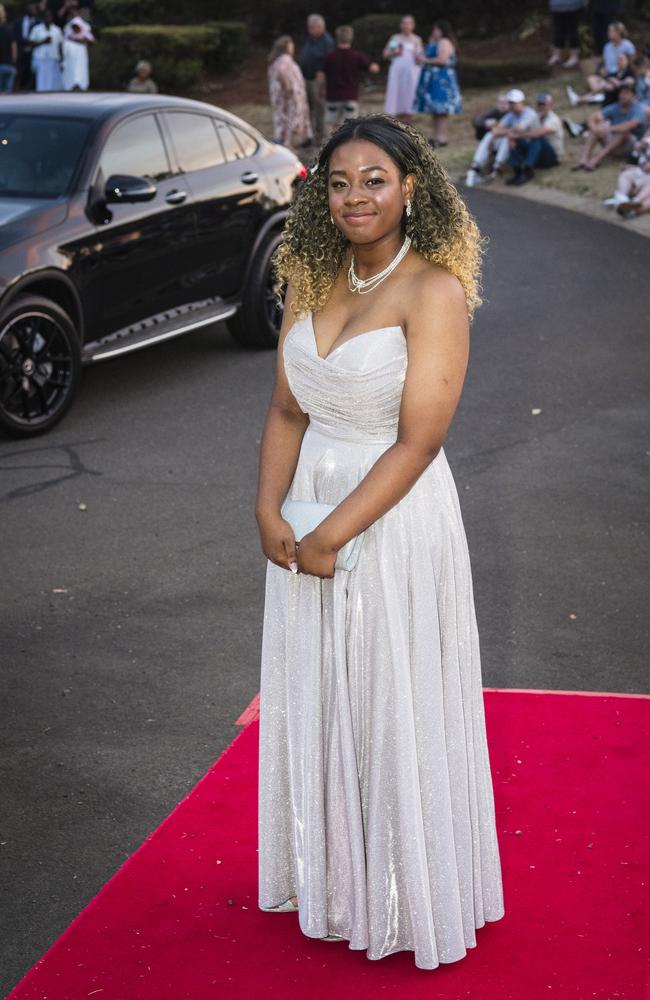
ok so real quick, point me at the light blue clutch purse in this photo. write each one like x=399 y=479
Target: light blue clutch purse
x=305 y=515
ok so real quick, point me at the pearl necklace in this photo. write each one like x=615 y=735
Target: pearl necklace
x=365 y=285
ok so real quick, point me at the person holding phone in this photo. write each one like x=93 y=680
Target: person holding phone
x=46 y=40
x=404 y=50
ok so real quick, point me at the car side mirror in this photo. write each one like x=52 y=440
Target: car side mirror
x=124 y=187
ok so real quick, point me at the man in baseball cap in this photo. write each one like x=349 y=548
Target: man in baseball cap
x=517 y=122
x=542 y=146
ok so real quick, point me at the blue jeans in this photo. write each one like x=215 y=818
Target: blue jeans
x=533 y=153
x=7 y=77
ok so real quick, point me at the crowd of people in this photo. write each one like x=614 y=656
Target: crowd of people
x=313 y=90
x=46 y=47
x=516 y=134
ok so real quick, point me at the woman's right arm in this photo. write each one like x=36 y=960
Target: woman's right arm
x=284 y=429
x=389 y=50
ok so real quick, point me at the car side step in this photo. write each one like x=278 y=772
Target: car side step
x=163 y=326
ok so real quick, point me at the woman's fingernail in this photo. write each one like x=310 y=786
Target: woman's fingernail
x=293 y=566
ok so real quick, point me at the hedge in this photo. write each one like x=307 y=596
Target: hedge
x=499 y=73
x=373 y=31
x=469 y=18
x=180 y=54
x=111 y=13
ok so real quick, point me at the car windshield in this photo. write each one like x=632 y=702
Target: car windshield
x=39 y=154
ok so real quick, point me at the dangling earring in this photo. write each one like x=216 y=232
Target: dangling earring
x=331 y=219
x=409 y=210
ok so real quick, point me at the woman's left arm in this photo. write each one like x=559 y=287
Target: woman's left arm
x=438 y=348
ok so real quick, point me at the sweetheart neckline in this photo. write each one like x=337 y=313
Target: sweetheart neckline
x=379 y=329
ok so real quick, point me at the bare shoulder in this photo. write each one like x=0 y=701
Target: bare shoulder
x=435 y=292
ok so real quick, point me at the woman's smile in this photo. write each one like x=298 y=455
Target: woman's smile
x=357 y=218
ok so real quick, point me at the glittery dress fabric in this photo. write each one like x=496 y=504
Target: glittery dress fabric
x=376 y=804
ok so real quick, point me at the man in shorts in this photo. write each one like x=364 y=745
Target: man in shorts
x=340 y=74
x=614 y=128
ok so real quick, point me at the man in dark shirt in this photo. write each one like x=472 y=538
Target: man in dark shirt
x=319 y=42
x=21 y=29
x=7 y=55
x=340 y=75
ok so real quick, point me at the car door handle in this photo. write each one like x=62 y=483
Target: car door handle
x=249 y=177
x=175 y=197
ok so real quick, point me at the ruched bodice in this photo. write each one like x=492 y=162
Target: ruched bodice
x=355 y=392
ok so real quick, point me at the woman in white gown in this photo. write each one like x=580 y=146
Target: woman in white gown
x=405 y=51
x=376 y=808
x=77 y=36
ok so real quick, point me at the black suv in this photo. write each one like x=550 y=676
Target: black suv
x=125 y=220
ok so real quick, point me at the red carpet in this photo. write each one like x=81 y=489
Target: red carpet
x=180 y=918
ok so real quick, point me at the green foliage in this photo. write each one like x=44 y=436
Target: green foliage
x=469 y=18
x=112 y=13
x=179 y=54
x=586 y=40
x=373 y=31
x=496 y=73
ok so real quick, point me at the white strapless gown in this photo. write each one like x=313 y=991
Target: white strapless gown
x=376 y=804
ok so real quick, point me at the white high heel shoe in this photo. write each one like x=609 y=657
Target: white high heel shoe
x=289 y=907
x=286 y=907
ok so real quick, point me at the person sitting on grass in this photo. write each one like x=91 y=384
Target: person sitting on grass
x=614 y=128
x=632 y=194
x=515 y=124
x=609 y=87
x=542 y=146
x=643 y=80
x=487 y=120
x=142 y=83
x=609 y=65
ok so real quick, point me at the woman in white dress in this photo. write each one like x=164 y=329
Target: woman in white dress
x=46 y=42
x=376 y=808
x=404 y=50
x=77 y=37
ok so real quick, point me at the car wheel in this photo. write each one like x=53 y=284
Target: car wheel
x=40 y=365
x=258 y=320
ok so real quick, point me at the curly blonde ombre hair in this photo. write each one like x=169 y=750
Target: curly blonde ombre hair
x=441 y=228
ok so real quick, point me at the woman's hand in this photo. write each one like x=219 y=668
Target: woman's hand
x=315 y=555
x=278 y=541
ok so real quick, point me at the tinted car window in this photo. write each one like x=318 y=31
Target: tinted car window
x=39 y=154
x=194 y=140
x=231 y=147
x=136 y=148
x=246 y=141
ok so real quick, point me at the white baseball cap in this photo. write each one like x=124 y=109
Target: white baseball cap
x=515 y=95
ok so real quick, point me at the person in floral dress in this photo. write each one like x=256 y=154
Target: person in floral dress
x=288 y=95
